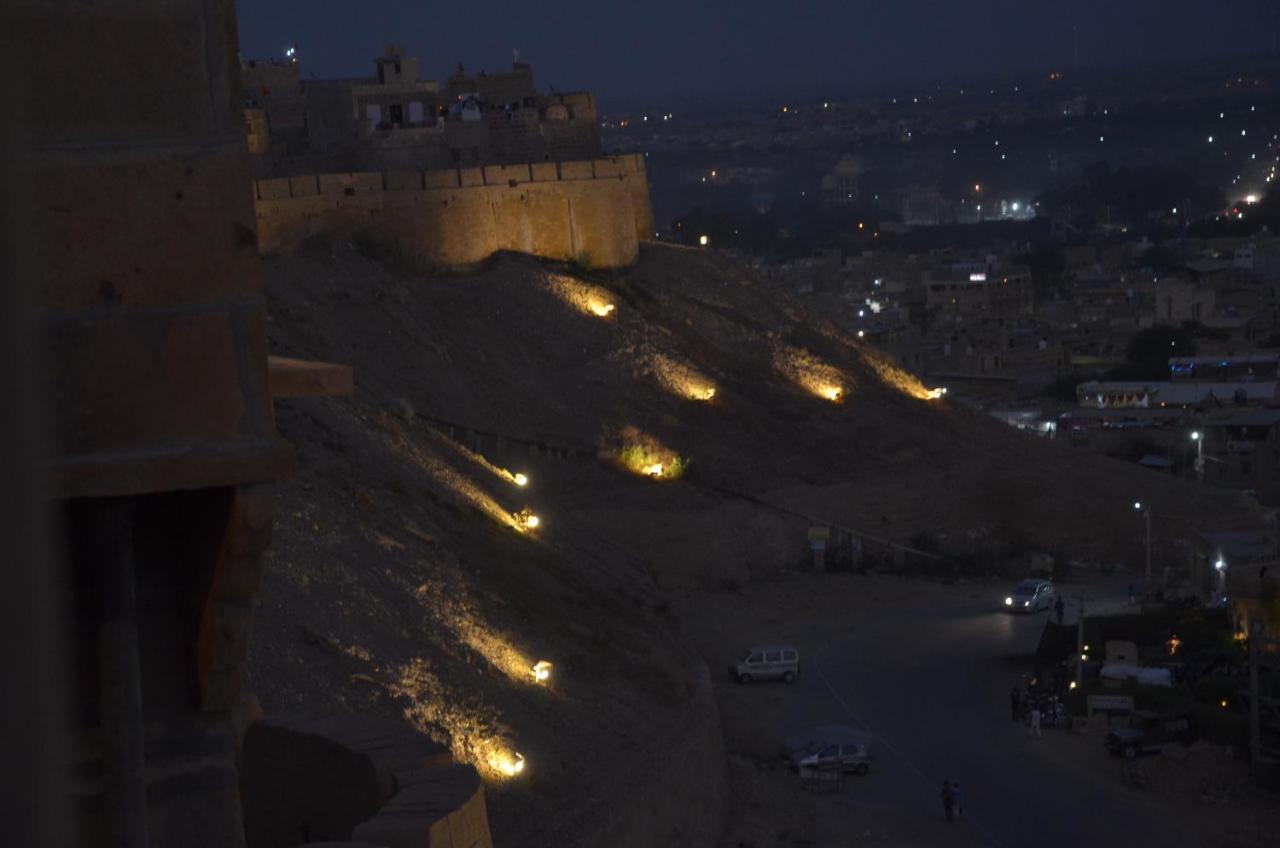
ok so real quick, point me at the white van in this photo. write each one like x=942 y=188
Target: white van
x=771 y=662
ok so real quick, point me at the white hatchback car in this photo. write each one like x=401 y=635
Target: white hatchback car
x=1030 y=596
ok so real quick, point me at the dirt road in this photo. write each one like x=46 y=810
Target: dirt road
x=925 y=670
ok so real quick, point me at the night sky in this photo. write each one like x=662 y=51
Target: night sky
x=694 y=48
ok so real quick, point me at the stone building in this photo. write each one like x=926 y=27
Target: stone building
x=395 y=120
x=985 y=289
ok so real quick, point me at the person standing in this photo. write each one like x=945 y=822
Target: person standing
x=957 y=799
x=948 y=800
x=1015 y=703
x=1059 y=607
x=1035 y=721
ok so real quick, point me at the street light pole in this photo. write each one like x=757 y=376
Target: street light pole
x=1198 y=438
x=1080 y=652
x=1146 y=514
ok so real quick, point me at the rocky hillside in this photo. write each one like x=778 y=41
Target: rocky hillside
x=679 y=425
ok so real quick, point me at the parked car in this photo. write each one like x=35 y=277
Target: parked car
x=1030 y=596
x=771 y=662
x=844 y=757
x=1149 y=732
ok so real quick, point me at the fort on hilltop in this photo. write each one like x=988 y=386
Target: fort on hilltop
x=447 y=174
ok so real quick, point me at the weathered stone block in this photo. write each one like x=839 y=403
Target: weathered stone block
x=543 y=171
x=404 y=180
x=277 y=189
x=612 y=167
x=318 y=779
x=437 y=808
x=227 y=629
x=471 y=177
x=249 y=523
x=577 y=170
x=307 y=186
x=238 y=576
x=441 y=179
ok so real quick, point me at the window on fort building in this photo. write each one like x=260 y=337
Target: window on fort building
x=397 y=69
x=382 y=73
x=415 y=113
x=396 y=113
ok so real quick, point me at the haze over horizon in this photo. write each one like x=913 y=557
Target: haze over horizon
x=668 y=49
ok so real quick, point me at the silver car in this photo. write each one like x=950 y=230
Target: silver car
x=1030 y=596
x=844 y=757
x=771 y=662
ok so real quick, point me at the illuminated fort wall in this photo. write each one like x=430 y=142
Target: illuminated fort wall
x=595 y=211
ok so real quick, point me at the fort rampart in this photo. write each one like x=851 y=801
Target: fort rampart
x=594 y=211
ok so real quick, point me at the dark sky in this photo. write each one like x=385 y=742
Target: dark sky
x=677 y=48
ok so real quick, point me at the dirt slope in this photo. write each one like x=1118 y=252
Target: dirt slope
x=399 y=584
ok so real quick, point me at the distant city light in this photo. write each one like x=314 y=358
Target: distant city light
x=1251 y=198
x=1015 y=206
x=704 y=240
x=1244 y=132
x=1211 y=139
x=1221 y=564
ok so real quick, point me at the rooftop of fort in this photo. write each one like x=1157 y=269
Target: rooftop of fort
x=397 y=119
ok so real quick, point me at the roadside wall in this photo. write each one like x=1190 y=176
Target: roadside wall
x=594 y=210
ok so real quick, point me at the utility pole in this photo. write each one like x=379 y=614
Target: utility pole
x=1255 y=712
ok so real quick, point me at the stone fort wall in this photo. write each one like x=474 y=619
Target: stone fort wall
x=596 y=211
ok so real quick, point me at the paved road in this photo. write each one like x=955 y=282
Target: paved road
x=931 y=683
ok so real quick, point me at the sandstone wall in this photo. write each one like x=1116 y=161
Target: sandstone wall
x=597 y=210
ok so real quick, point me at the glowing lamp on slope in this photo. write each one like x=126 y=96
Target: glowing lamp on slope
x=934 y=394
x=831 y=393
x=654 y=470
x=508 y=765
x=603 y=310
x=541 y=671
x=526 y=520
x=520 y=479
x=704 y=240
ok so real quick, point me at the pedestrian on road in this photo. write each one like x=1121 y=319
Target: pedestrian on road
x=958 y=799
x=1015 y=703
x=1059 y=607
x=948 y=800
x=1035 y=721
